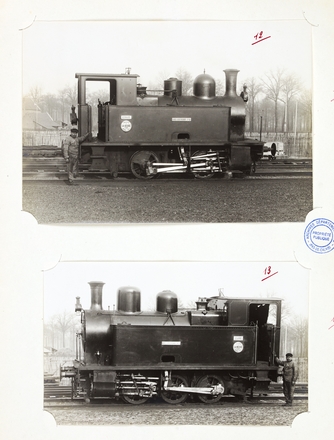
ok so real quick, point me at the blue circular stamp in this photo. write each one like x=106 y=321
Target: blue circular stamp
x=319 y=235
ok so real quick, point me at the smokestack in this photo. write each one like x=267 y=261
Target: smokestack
x=96 y=295
x=231 y=82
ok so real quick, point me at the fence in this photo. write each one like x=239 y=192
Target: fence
x=302 y=365
x=52 y=363
x=34 y=138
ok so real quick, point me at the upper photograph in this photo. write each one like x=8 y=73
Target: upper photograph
x=167 y=121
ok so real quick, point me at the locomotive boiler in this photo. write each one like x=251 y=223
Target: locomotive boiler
x=149 y=134
x=222 y=346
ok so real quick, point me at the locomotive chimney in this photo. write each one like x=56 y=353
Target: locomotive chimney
x=96 y=295
x=231 y=82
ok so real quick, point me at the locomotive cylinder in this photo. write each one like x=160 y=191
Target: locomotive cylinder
x=167 y=302
x=96 y=295
x=128 y=299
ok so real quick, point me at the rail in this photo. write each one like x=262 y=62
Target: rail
x=47 y=163
x=57 y=392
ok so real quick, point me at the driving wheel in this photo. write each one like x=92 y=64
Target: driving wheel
x=135 y=400
x=139 y=161
x=175 y=397
x=207 y=381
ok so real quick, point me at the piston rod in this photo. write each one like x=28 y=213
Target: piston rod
x=215 y=390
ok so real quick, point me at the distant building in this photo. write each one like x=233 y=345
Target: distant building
x=34 y=119
x=48 y=351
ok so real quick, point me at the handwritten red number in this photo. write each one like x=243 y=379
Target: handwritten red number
x=259 y=37
x=259 y=34
x=268 y=272
x=331 y=325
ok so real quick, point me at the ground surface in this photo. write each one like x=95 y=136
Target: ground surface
x=258 y=414
x=169 y=201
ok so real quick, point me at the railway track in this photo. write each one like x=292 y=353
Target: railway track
x=56 y=395
x=47 y=163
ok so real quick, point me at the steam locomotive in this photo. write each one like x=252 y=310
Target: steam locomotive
x=149 y=134
x=222 y=346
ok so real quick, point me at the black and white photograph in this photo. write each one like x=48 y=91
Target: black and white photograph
x=167 y=121
x=167 y=219
x=189 y=343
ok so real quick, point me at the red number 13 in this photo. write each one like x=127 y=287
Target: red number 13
x=267 y=270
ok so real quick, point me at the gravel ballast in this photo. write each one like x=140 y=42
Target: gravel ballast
x=169 y=201
x=259 y=414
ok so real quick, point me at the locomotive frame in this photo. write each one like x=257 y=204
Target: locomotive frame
x=223 y=346
x=149 y=134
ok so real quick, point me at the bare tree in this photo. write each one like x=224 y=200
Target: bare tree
x=299 y=336
x=291 y=86
x=64 y=322
x=35 y=93
x=50 y=332
x=187 y=80
x=158 y=83
x=191 y=304
x=265 y=108
x=220 y=87
x=254 y=89
x=70 y=93
x=272 y=87
x=66 y=98
x=50 y=105
x=305 y=111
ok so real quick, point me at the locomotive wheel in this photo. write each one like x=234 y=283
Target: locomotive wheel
x=175 y=397
x=138 y=163
x=135 y=400
x=201 y=174
x=207 y=381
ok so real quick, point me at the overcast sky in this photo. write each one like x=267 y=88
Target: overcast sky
x=188 y=280
x=54 y=51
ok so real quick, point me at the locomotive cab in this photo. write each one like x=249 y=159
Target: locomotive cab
x=122 y=91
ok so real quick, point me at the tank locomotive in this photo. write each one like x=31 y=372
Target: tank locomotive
x=222 y=346
x=149 y=134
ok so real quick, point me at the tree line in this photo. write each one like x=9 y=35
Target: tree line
x=277 y=102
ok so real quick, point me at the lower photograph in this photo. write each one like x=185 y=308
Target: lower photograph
x=176 y=343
